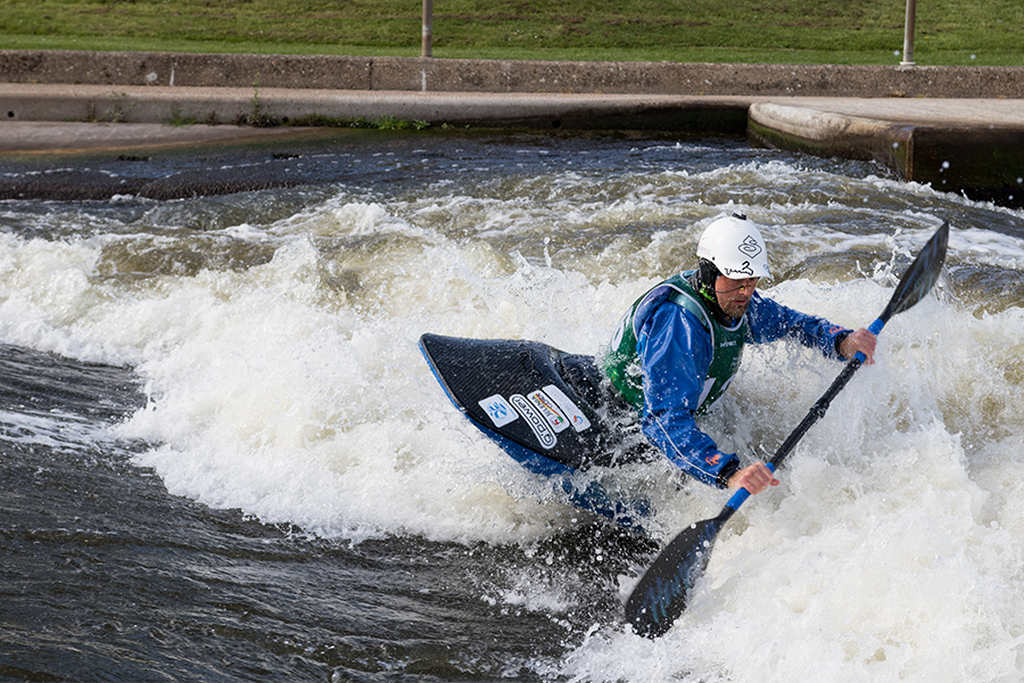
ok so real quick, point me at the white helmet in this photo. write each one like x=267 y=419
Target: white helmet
x=735 y=246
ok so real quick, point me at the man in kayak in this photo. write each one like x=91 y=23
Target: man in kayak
x=680 y=344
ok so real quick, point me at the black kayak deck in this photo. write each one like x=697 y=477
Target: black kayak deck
x=546 y=408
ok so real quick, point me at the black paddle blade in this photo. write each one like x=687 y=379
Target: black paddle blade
x=919 y=278
x=662 y=592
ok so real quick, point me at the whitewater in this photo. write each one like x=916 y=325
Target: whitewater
x=253 y=366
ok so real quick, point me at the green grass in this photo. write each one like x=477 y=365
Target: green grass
x=769 y=31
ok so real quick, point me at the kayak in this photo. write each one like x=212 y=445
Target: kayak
x=550 y=410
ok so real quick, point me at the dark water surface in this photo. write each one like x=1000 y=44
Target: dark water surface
x=106 y=576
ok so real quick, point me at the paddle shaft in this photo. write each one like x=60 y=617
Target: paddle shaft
x=916 y=282
x=816 y=412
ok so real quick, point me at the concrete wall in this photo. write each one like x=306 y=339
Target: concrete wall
x=468 y=75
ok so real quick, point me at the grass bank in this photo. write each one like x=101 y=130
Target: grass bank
x=949 y=32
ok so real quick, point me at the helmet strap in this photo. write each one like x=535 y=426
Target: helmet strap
x=707 y=274
x=703 y=280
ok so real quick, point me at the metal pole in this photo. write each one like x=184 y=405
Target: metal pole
x=428 y=11
x=908 y=34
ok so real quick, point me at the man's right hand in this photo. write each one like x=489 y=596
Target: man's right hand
x=862 y=340
x=754 y=478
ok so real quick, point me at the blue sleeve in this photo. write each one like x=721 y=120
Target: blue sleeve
x=675 y=354
x=770 y=320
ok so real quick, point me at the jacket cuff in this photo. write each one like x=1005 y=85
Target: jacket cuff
x=728 y=469
x=837 y=340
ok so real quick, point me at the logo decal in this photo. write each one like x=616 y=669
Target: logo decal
x=498 y=409
x=745 y=270
x=749 y=247
x=576 y=417
x=538 y=425
x=549 y=410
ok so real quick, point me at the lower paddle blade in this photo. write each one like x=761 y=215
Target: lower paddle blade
x=661 y=594
x=918 y=279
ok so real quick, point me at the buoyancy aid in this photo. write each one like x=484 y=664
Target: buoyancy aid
x=622 y=363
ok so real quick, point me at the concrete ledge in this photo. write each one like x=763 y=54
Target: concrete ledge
x=37 y=138
x=163 y=104
x=958 y=152
x=480 y=75
x=825 y=133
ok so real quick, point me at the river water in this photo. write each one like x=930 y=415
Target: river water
x=224 y=458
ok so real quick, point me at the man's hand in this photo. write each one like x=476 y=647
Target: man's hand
x=862 y=340
x=754 y=478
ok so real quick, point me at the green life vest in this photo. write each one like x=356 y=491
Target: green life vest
x=622 y=363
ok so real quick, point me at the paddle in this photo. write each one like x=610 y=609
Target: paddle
x=661 y=595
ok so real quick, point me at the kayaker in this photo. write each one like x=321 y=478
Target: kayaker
x=679 y=347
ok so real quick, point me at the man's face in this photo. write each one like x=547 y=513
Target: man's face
x=734 y=295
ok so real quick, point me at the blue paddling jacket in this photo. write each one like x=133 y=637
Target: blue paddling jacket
x=672 y=359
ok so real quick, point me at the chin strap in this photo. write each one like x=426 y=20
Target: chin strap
x=704 y=282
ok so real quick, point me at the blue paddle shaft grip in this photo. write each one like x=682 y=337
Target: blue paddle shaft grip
x=741 y=495
x=874 y=328
x=737 y=499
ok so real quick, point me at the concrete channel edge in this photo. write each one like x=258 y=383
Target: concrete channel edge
x=766 y=103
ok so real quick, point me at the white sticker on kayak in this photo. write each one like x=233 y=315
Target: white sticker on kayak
x=576 y=417
x=537 y=423
x=549 y=409
x=498 y=409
